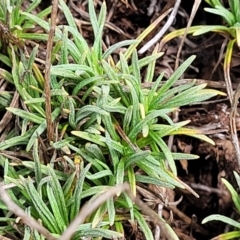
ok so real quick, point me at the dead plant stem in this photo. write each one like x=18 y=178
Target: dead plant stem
x=163 y=29
x=47 y=88
x=193 y=13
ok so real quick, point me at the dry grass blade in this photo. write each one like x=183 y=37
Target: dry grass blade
x=233 y=123
x=108 y=24
x=163 y=30
x=8 y=115
x=4 y=238
x=193 y=13
x=7 y=38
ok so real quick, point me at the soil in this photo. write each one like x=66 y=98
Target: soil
x=128 y=19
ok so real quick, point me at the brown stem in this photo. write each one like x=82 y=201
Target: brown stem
x=47 y=87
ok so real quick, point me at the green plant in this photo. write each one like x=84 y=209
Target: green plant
x=229 y=29
x=15 y=30
x=45 y=198
x=235 y=224
x=109 y=128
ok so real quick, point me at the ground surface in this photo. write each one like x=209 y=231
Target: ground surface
x=126 y=20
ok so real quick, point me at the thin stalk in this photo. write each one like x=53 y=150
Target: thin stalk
x=47 y=87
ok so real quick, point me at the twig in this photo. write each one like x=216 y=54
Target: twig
x=93 y=205
x=47 y=87
x=220 y=57
x=12 y=206
x=157 y=233
x=89 y=208
x=187 y=219
x=151 y=7
x=163 y=30
x=212 y=84
x=86 y=210
x=8 y=115
x=193 y=13
x=233 y=98
x=233 y=127
x=164 y=227
x=219 y=192
x=86 y=16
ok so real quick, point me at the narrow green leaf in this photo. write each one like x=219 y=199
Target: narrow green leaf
x=235 y=9
x=100 y=174
x=94 y=150
x=148 y=60
x=217 y=217
x=68 y=14
x=16 y=141
x=67 y=187
x=237 y=177
x=44 y=169
x=151 y=67
x=136 y=67
x=151 y=116
x=223 y=12
x=55 y=208
x=118 y=45
x=176 y=75
x=37 y=167
x=214 y=28
x=132 y=180
x=93 y=191
x=120 y=172
x=111 y=210
x=143 y=225
x=157 y=172
x=78 y=193
x=80 y=50
x=101 y=233
x=165 y=150
x=43 y=211
x=176 y=156
x=154 y=181
x=138 y=156
x=97 y=139
x=234 y=194
x=6 y=75
x=93 y=17
x=100 y=212
x=229 y=235
x=85 y=82
x=44 y=24
x=97 y=45
x=88 y=110
x=71 y=116
x=58 y=193
x=26 y=115
x=113 y=76
x=127 y=119
x=41 y=128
